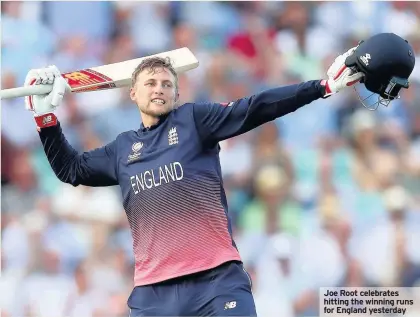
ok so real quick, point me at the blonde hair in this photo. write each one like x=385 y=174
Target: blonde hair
x=152 y=64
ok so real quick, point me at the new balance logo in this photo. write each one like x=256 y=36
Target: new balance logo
x=230 y=305
x=173 y=136
x=365 y=59
x=47 y=119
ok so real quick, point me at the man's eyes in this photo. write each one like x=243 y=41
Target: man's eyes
x=164 y=85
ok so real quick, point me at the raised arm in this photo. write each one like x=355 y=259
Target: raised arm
x=216 y=121
x=93 y=168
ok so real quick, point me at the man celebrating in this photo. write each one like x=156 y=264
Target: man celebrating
x=186 y=262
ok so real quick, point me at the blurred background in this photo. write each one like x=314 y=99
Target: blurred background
x=326 y=196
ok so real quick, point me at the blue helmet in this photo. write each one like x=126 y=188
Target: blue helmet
x=387 y=61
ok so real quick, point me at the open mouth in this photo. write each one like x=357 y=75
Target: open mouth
x=158 y=101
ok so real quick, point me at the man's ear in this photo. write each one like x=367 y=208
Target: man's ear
x=133 y=94
x=176 y=97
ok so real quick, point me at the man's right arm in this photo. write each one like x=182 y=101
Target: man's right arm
x=93 y=168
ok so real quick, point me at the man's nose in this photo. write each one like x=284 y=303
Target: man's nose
x=158 y=89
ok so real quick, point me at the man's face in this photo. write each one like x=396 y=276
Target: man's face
x=154 y=92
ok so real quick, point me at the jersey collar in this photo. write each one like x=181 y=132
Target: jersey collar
x=161 y=120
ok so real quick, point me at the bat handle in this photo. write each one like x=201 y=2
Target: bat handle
x=25 y=91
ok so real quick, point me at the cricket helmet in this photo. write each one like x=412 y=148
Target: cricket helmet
x=387 y=61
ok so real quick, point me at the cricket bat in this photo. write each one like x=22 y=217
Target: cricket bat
x=107 y=76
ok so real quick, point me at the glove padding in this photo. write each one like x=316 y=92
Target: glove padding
x=340 y=76
x=43 y=106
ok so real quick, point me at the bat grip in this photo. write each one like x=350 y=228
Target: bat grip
x=25 y=91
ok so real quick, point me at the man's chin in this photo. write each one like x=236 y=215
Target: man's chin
x=157 y=113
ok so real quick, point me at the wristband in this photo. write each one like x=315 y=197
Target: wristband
x=46 y=120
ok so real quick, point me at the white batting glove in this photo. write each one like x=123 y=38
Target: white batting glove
x=340 y=76
x=43 y=106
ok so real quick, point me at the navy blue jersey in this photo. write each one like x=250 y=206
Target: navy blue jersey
x=170 y=178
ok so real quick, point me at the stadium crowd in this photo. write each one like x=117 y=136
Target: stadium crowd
x=326 y=196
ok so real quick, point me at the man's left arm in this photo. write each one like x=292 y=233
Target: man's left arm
x=216 y=121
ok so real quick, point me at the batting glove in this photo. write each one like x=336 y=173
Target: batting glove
x=340 y=76
x=43 y=106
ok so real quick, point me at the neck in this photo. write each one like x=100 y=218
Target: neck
x=148 y=120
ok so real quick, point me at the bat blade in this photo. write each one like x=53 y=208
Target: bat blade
x=107 y=76
x=119 y=74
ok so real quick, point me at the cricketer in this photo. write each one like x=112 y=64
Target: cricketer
x=186 y=261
